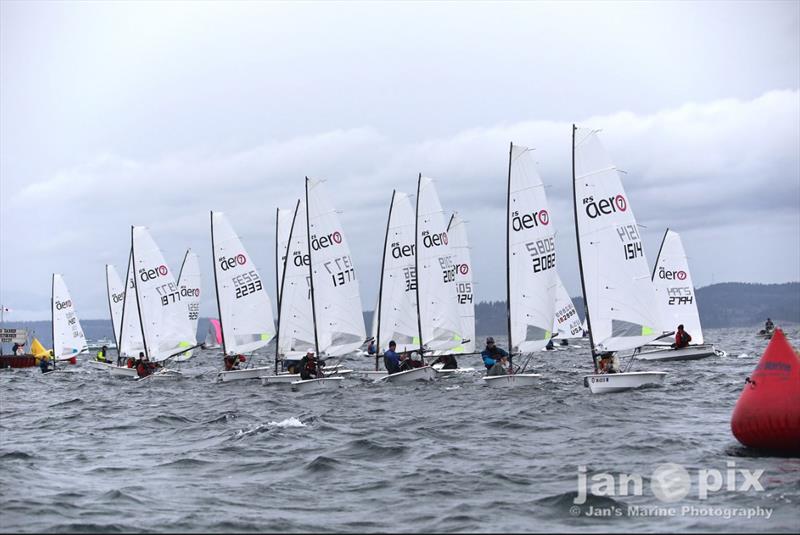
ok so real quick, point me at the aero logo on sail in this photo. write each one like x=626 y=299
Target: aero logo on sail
x=401 y=251
x=531 y=220
x=326 y=241
x=671 y=275
x=434 y=240
x=605 y=206
x=150 y=274
x=117 y=297
x=229 y=263
x=462 y=268
x=63 y=304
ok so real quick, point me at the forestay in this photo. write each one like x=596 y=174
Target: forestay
x=245 y=309
x=189 y=285
x=130 y=342
x=674 y=289
x=623 y=313
x=397 y=317
x=296 y=334
x=336 y=298
x=68 y=338
x=436 y=288
x=116 y=300
x=566 y=323
x=459 y=245
x=532 y=278
x=165 y=324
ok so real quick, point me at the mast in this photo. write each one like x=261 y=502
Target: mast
x=124 y=298
x=111 y=313
x=216 y=286
x=380 y=286
x=658 y=257
x=508 y=262
x=283 y=278
x=580 y=261
x=416 y=265
x=53 y=319
x=183 y=264
x=138 y=306
x=277 y=264
x=311 y=275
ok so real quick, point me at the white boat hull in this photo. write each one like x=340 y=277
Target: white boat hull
x=313 y=385
x=371 y=374
x=685 y=353
x=619 y=382
x=162 y=375
x=240 y=375
x=122 y=371
x=283 y=378
x=425 y=373
x=508 y=381
x=97 y=365
x=454 y=371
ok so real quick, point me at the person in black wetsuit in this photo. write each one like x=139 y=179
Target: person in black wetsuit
x=309 y=368
x=448 y=362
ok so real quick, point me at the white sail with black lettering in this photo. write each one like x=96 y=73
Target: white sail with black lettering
x=189 y=285
x=245 y=309
x=622 y=309
x=397 y=317
x=68 y=337
x=163 y=315
x=283 y=226
x=674 y=289
x=130 y=335
x=296 y=319
x=116 y=300
x=459 y=245
x=531 y=256
x=436 y=287
x=336 y=297
x=566 y=323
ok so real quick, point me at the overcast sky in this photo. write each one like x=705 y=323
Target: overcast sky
x=113 y=114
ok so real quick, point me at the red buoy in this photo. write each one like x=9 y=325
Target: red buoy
x=767 y=415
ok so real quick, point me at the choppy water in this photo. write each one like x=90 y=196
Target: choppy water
x=84 y=452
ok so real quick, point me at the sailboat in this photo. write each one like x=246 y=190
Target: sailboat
x=620 y=300
x=336 y=312
x=245 y=309
x=166 y=329
x=129 y=341
x=189 y=287
x=567 y=323
x=530 y=266
x=68 y=338
x=116 y=295
x=677 y=302
x=214 y=335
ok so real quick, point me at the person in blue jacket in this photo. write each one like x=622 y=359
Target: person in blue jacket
x=492 y=354
x=391 y=359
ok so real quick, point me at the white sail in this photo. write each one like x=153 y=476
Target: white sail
x=566 y=323
x=116 y=300
x=532 y=275
x=189 y=284
x=674 y=289
x=296 y=334
x=163 y=314
x=623 y=313
x=130 y=342
x=459 y=245
x=283 y=225
x=436 y=288
x=398 y=292
x=245 y=309
x=68 y=338
x=336 y=297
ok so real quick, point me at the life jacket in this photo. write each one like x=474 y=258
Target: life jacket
x=142 y=369
x=101 y=357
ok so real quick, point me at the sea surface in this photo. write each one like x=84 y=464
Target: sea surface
x=85 y=452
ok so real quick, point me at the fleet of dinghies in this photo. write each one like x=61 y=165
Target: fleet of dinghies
x=425 y=301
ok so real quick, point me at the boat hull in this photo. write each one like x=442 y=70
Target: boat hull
x=509 y=381
x=425 y=373
x=241 y=375
x=619 y=382
x=122 y=371
x=684 y=353
x=453 y=371
x=313 y=385
x=162 y=375
x=21 y=361
x=97 y=365
x=283 y=378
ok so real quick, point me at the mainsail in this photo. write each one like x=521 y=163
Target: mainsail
x=396 y=313
x=439 y=324
x=130 y=342
x=621 y=304
x=189 y=285
x=68 y=338
x=566 y=323
x=336 y=301
x=245 y=309
x=459 y=245
x=116 y=300
x=531 y=256
x=674 y=289
x=283 y=226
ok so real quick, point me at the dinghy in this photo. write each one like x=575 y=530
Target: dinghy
x=116 y=295
x=68 y=338
x=189 y=286
x=459 y=246
x=678 y=304
x=620 y=301
x=245 y=309
x=129 y=338
x=531 y=278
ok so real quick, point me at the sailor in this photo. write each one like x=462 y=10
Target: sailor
x=308 y=366
x=391 y=360
x=371 y=348
x=491 y=354
x=448 y=362
x=144 y=367
x=608 y=363
x=500 y=366
x=682 y=338
x=44 y=364
x=101 y=355
x=232 y=362
x=550 y=346
x=18 y=349
x=768 y=326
